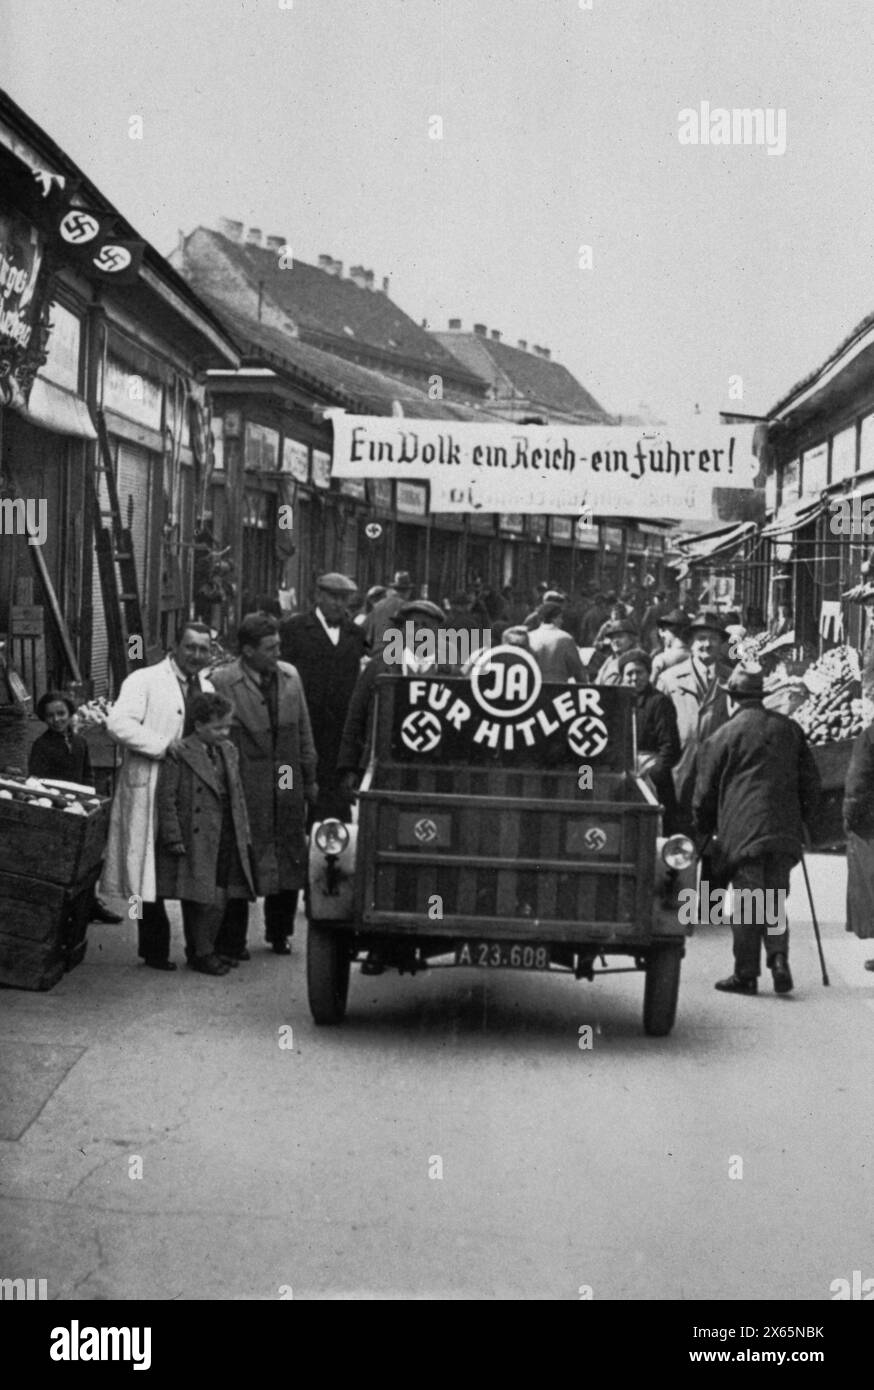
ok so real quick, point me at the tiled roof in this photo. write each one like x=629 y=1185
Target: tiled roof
x=354 y=387
x=538 y=380
x=323 y=304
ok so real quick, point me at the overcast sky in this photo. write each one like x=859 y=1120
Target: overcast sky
x=560 y=130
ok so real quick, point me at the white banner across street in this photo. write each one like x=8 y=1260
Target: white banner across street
x=556 y=469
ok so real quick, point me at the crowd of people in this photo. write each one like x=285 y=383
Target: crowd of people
x=227 y=767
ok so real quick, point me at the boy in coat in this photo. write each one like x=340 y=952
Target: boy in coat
x=203 y=830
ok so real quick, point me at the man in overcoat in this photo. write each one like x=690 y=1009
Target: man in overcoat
x=757 y=786
x=148 y=719
x=696 y=687
x=325 y=647
x=271 y=730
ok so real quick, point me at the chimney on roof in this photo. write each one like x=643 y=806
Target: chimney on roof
x=253 y=236
x=336 y=268
x=385 y=284
x=496 y=337
x=369 y=278
x=523 y=344
x=455 y=325
x=356 y=275
x=480 y=330
x=230 y=229
x=276 y=243
x=325 y=263
x=547 y=354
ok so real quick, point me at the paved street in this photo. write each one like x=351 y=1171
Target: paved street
x=265 y=1167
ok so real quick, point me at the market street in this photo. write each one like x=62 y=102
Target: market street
x=266 y=1169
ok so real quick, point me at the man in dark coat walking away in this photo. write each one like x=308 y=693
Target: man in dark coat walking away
x=325 y=647
x=271 y=731
x=756 y=788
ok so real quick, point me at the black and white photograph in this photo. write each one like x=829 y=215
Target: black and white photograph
x=437 y=586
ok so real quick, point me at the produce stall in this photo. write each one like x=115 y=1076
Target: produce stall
x=832 y=713
x=52 y=839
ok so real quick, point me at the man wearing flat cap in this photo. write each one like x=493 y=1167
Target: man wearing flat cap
x=756 y=788
x=696 y=688
x=411 y=648
x=326 y=647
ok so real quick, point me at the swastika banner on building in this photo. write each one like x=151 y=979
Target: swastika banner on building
x=555 y=469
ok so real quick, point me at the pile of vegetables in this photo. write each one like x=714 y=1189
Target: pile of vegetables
x=834 y=709
x=50 y=794
x=93 y=714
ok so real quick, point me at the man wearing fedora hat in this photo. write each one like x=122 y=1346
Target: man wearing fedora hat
x=622 y=636
x=695 y=686
x=325 y=647
x=383 y=614
x=672 y=628
x=756 y=788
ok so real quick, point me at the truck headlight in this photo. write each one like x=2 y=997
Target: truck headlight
x=332 y=837
x=678 y=852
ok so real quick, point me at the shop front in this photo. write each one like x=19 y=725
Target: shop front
x=412 y=532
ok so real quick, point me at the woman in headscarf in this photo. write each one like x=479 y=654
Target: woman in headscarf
x=658 y=740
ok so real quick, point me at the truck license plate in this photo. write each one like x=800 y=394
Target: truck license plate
x=508 y=955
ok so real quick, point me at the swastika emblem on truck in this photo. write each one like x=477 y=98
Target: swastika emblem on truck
x=587 y=736
x=421 y=731
x=425 y=831
x=595 y=838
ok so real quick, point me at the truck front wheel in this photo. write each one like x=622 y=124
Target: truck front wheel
x=327 y=973
x=661 y=990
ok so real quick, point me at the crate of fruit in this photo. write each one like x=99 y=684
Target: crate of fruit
x=49 y=831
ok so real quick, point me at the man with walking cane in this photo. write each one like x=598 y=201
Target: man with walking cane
x=757 y=787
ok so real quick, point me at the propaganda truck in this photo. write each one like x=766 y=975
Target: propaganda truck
x=501 y=825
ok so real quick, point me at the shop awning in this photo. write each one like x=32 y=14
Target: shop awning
x=792 y=518
x=717 y=542
x=54 y=408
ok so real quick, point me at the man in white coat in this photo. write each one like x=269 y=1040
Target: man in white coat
x=148 y=719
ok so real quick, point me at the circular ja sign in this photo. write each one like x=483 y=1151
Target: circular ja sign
x=373 y=530
x=505 y=681
x=587 y=736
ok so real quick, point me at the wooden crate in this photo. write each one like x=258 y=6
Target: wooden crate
x=42 y=928
x=48 y=844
